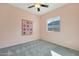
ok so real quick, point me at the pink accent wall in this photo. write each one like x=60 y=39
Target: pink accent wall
x=10 y=26
x=69 y=34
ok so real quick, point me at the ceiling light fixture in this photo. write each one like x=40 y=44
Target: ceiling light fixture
x=37 y=5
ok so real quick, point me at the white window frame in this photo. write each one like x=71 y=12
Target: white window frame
x=51 y=19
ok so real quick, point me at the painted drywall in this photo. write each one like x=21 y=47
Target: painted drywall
x=69 y=34
x=10 y=26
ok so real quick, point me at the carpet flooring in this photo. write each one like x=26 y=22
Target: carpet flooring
x=37 y=48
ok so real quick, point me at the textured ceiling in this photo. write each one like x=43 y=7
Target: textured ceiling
x=24 y=6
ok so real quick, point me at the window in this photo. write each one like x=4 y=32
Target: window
x=53 y=24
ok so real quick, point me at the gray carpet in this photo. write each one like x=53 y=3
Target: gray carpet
x=37 y=48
